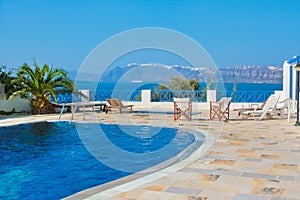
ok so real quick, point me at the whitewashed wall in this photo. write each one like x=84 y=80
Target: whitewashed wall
x=20 y=105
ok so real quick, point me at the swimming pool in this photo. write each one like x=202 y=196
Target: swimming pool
x=47 y=160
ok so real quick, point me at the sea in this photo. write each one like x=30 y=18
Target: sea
x=83 y=85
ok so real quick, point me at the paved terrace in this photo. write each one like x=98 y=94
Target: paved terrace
x=249 y=160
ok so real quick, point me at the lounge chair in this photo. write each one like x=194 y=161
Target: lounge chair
x=182 y=108
x=286 y=107
x=116 y=104
x=220 y=109
x=57 y=108
x=269 y=109
x=252 y=107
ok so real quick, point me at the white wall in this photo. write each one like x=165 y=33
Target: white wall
x=289 y=77
x=20 y=105
x=286 y=80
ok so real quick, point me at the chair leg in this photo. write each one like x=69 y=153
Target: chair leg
x=175 y=112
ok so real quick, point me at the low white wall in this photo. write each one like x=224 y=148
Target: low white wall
x=146 y=97
x=146 y=103
x=164 y=106
x=196 y=106
x=20 y=105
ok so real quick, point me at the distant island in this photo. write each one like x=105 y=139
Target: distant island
x=242 y=74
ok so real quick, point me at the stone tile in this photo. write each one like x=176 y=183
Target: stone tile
x=189 y=170
x=215 y=157
x=258 y=148
x=117 y=198
x=215 y=194
x=269 y=143
x=227 y=173
x=235 y=184
x=263 y=190
x=209 y=177
x=295 y=150
x=246 y=151
x=269 y=156
x=243 y=155
x=215 y=153
x=285 y=166
x=237 y=142
x=180 y=190
x=257 y=175
x=133 y=194
x=283 y=150
x=197 y=198
x=253 y=159
x=249 y=197
x=155 y=187
x=223 y=162
x=150 y=195
x=287 y=178
x=280 y=141
x=199 y=171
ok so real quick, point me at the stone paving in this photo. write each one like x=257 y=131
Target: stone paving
x=249 y=160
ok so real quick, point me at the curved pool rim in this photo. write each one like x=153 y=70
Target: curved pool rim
x=133 y=181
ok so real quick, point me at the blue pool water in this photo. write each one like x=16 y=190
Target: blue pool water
x=47 y=160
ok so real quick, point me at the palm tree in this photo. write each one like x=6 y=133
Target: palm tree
x=40 y=84
x=5 y=78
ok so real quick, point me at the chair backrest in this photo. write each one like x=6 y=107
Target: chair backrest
x=182 y=103
x=271 y=103
x=115 y=103
x=285 y=103
x=225 y=102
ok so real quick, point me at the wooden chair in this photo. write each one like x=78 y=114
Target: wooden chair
x=117 y=105
x=220 y=109
x=182 y=108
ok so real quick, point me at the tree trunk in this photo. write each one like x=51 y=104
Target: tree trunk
x=40 y=106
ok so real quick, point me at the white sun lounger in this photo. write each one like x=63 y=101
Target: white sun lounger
x=84 y=105
x=269 y=109
x=286 y=107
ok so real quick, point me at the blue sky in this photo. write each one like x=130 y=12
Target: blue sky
x=63 y=32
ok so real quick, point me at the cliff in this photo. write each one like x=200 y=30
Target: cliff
x=156 y=72
x=252 y=74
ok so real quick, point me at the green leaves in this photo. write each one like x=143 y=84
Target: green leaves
x=178 y=83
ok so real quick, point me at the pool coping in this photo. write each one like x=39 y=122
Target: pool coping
x=133 y=181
